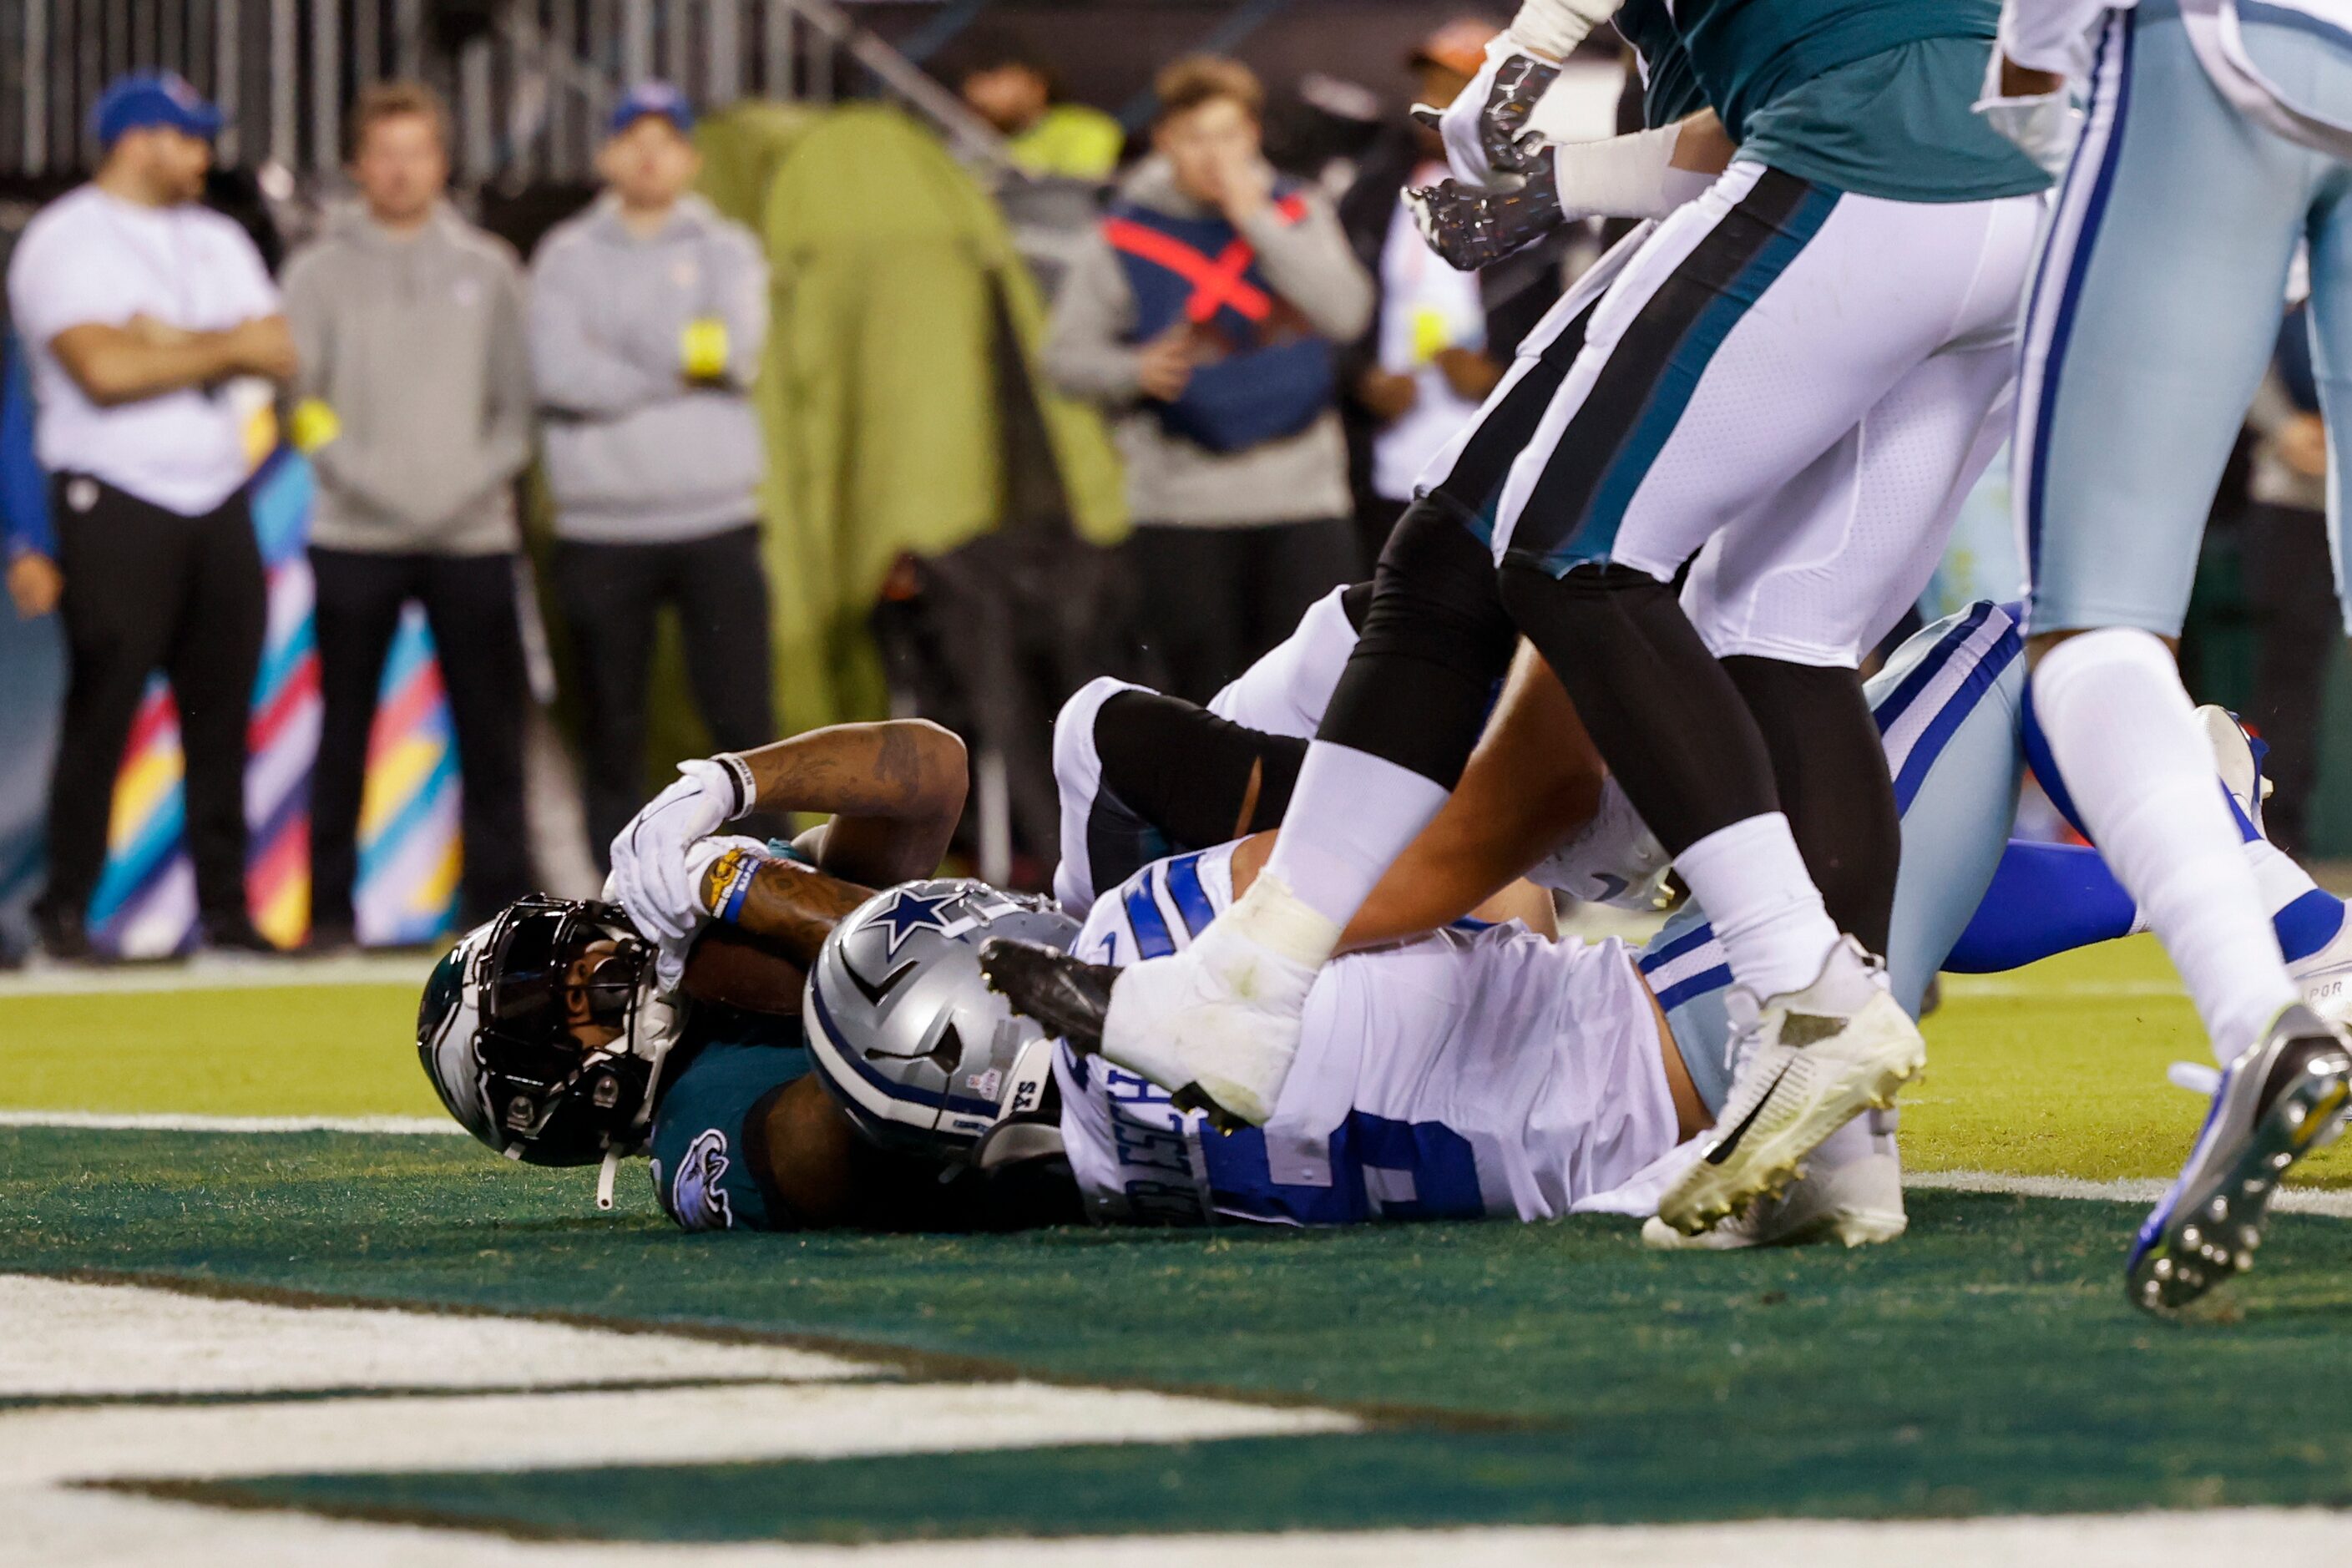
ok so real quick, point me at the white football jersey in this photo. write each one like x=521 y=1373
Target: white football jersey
x=1467 y=1073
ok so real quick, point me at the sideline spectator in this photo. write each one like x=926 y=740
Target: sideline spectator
x=1010 y=86
x=415 y=406
x=649 y=313
x=137 y=305
x=1440 y=340
x=2289 y=580
x=1205 y=312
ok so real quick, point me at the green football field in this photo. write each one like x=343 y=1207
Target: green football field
x=1415 y=1376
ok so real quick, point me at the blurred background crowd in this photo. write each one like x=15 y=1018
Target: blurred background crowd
x=425 y=422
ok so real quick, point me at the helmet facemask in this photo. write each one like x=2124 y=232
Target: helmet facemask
x=567 y=1036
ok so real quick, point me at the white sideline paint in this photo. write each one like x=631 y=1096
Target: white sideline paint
x=166 y=1122
x=638 y=1426
x=91 y=1528
x=121 y=1338
x=64 y=1338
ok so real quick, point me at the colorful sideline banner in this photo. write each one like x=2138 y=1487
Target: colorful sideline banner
x=145 y=906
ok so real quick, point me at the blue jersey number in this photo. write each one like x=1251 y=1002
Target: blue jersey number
x=1380 y=1169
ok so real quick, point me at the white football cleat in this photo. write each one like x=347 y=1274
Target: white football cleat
x=2238 y=758
x=1811 y=1062
x=1850 y=1190
x=1217 y=1025
x=2324 y=977
x=1613 y=858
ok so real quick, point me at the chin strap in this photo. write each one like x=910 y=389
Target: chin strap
x=604 y=1176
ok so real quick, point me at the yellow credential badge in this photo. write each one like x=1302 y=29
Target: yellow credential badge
x=313 y=425
x=702 y=348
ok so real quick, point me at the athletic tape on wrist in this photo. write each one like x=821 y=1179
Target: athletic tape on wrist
x=746 y=788
x=1554 y=27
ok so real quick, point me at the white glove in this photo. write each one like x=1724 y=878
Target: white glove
x=1488 y=143
x=650 y=877
x=671 y=952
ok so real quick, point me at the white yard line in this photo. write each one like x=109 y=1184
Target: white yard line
x=2337 y=1203
x=219 y=975
x=1972 y=987
x=160 y=1122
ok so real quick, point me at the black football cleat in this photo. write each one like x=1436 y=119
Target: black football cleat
x=1069 y=997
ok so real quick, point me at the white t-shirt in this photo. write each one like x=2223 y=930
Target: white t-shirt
x=1425 y=306
x=90 y=258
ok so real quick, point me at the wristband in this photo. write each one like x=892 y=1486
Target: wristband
x=746 y=788
x=728 y=883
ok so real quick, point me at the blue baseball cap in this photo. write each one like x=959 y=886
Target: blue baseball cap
x=142 y=99
x=652 y=98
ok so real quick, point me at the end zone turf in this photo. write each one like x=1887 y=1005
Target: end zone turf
x=1501 y=1375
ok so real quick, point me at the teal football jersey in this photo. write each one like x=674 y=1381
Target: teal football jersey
x=1748 y=53
x=1869 y=96
x=709 y=1129
x=1670 y=88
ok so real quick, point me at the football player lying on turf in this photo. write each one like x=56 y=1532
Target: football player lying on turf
x=2045 y=897
x=1415 y=1120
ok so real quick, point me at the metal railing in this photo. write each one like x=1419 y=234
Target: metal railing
x=530 y=81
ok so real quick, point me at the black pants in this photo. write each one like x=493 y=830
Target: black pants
x=1214 y=599
x=609 y=594
x=469 y=603
x=146 y=589
x=2296 y=627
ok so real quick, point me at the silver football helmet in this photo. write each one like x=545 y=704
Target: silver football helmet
x=542 y=1033
x=903 y=1027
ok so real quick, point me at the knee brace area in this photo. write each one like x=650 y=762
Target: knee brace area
x=1434 y=598
x=1187 y=771
x=1434 y=645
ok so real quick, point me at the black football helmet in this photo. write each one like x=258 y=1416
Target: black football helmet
x=500 y=1032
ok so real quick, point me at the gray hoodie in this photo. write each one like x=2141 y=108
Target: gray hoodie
x=416 y=344
x=1090 y=353
x=635 y=454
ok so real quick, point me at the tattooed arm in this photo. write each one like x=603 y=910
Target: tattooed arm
x=895 y=791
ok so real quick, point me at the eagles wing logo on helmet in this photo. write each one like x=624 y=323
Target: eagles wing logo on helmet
x=541 y=1032
x=903 y=1027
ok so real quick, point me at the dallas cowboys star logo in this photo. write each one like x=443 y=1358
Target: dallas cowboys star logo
x=910 y=912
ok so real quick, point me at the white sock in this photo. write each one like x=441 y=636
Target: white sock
x=2280 y=879
x=2120 y=725
x=1350 y=816
x=1762 y=903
